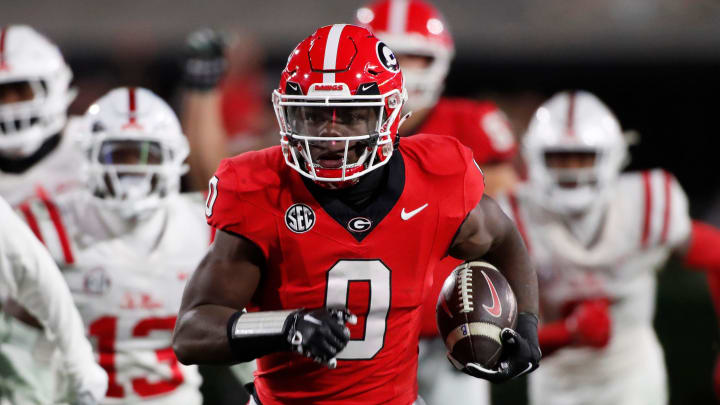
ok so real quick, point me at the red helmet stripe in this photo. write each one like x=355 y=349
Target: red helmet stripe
x=398 y=16
x=571 y=115
x=331 y=51
x=131 y=106
x=3 y=33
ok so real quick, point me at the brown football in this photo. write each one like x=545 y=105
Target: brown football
x=475 y=304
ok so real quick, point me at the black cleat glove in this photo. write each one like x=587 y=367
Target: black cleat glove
x=204 y=64
x=521 y=352
x=319 y=334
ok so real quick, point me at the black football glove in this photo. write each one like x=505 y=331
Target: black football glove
x=319 y=334
x=204 y=64
x=521 y=352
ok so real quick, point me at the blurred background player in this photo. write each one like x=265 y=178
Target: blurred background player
x=127 y=243
x=29 y=275
x=224 y=106
x=36 y=158
x=596 y=238
x=307 y=230
x=420 y=36
x=34 y=97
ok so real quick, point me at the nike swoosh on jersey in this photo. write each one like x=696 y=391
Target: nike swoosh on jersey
x=407 y=215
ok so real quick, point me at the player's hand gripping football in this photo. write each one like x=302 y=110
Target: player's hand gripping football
x=521 y=352
x=319 y=334
x=205 y=64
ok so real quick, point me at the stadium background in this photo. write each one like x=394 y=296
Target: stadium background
x=654 y=62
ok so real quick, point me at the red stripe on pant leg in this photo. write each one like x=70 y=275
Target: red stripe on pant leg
x=648 y=208
x=666 y=213
x=59 y=226
x=31 y=221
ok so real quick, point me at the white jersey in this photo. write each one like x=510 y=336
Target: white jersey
x=29 y=275
x=57 y=172
x=127 y=285
x=646 y=218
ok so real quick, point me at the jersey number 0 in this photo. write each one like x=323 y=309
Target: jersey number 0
x=374 y=272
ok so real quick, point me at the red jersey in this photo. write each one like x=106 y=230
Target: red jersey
x=482 y=127
x=479 y=125
x=377 y=261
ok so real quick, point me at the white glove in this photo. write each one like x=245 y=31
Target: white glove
x=88 y=384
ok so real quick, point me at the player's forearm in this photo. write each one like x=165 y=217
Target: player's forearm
x=511 y=257
x=200 y=335
x=202 y=122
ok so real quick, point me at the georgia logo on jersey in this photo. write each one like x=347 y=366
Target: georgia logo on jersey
x=299 y=218
x=359 y=224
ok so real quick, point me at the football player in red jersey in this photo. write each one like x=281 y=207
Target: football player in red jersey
x=419 y=35
x=343 y=218
x=417 y=32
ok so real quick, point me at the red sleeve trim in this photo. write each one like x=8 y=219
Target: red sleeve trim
x=648 y=208
x=31 y=221
x=668 y=201
x=703 y=252
x=518 y=219
x=59 y=226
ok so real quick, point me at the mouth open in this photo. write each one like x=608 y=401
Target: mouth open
x=330 y=160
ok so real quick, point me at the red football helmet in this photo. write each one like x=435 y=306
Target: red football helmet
x=414 y=27
x=338 y=104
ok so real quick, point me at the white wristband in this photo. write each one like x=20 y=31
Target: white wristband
x=264 y=323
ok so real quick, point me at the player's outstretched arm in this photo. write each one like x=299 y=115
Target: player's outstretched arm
x=203 y=69
x=213 y=329
x=30 y=276
x=488 y=234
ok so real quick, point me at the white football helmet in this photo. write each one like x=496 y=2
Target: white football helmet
x=33 y=66
x=135 y=150
x=413 y=27
x=573 y=122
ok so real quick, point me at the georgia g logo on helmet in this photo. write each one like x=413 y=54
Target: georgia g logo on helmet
x=387 y=57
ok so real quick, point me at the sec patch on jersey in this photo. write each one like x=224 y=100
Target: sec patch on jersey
x=474 y=305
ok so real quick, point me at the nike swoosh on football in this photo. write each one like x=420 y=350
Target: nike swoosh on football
x=407 y=215
x=496 y=309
